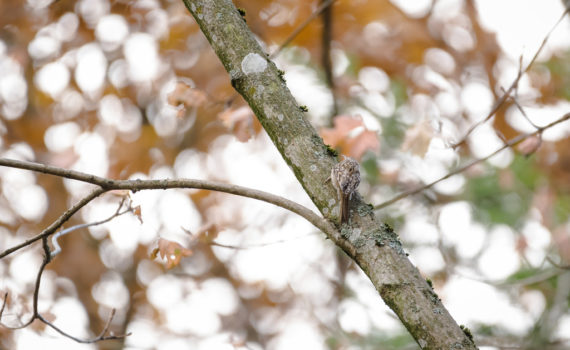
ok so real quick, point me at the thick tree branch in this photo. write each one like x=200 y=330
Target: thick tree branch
x=373 y=246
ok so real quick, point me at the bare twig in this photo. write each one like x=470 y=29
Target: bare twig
x=4 y=304
x=326 y=39
x=102 y=336
x=302 y=26
x=257 y=245
x=510 y=343
x=57 y=223
x=48 y=256
x=57 y=248
x=106 y=185
x=514 y=84
x=555 y=264
x=521 y=109
x=35 y=313
x=511 y=143
x=137 y=185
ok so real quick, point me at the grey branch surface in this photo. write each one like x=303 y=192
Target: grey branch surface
x=371 y=244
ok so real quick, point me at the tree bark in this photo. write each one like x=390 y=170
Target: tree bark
x=374 y=246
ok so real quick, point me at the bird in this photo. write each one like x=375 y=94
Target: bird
x=345 y=178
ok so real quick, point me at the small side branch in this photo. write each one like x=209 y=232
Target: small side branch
x=513 y=86
x=302 y=26
x=104 y=335
x=4 y=302
x=508 y=144
x=57 y=223
x=36 y=315
x=106 y=185
x=138 y=185
x=118 y=212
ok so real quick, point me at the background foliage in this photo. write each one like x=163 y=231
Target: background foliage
x=131 y=89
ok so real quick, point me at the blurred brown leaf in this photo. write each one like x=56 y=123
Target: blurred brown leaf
x=530 y=145
x=239 y=121
x=561 y=238
x=138 y=213
x=172 y=251
x=351 y=136
x=417 y=138
x=207 y=233
x=184 y=96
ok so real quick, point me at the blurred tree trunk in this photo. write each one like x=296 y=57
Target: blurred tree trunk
x=371 y=244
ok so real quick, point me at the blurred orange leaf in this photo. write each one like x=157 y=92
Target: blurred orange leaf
x=138 y=213
x=172 y=251
x=120 y=193
x=418 y=138
x=41 y=326
x=529 y=145
x=207 y=233
x=154 y=253
x=184 y=96
x=239 y=121
x=351 y=136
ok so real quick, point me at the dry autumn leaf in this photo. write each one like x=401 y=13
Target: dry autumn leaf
x=172 y=251
x=239 y=121
x=138 y=213
x=184 y=96
x=351 y=136
x=41 y=326
x=207 y=233
x=418 y=138
x=529 y=145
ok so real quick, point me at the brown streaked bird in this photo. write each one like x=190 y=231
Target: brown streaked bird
x=345 y=177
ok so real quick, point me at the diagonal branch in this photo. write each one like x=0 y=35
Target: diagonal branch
x=302 y=26
x=375 y=247
x=514 y=141
x=513 y=86
x=54 y=242
x=58 y=222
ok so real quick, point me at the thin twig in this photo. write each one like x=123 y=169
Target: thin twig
x=4 y=304
x=521 y=109
x=106 y=185
x=504 y=97
x=37 y=316
x=57 y=223
x=557 y=265
x=35 y=313
x=257 y=245
x=300 y=28
x=99 y=338
x=138 y=185
x=511 y=143
x=54 y=242
x=326 y=39
x=51 y=170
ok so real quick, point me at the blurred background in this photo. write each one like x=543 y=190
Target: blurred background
x=131 y=89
